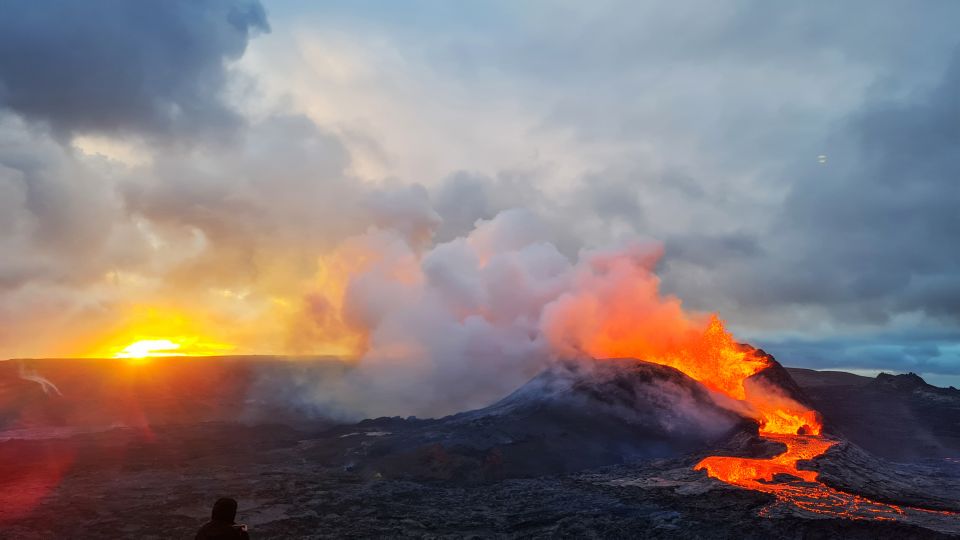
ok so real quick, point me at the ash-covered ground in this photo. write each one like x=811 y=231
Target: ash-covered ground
x=606 y=450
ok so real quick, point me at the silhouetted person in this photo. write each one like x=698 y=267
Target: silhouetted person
x=221 y=525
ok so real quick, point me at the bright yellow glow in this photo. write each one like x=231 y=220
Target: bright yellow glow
x=175 y=346
x=148 y=347
x=150 y=332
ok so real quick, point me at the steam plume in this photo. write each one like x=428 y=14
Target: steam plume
x=461 y=324
x=31 y=375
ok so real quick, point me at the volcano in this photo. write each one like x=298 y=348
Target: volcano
x=611 y=447
x=573 y=416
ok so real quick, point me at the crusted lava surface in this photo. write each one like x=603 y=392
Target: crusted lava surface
x=603 y=448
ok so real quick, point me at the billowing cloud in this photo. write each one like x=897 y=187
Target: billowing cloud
x=194 y=169
x=463 y=323
x=124 y=67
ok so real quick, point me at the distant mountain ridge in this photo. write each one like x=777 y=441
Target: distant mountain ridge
x=899 y=417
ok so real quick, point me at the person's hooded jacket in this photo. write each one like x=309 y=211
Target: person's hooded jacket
x=222 y=525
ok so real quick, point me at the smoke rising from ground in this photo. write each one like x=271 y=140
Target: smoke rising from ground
x=28 y=374
x=462 y=323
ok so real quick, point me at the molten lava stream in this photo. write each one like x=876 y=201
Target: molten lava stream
x=780 y=477
x=709 y=354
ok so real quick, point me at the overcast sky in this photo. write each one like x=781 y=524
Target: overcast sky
x=800 y=162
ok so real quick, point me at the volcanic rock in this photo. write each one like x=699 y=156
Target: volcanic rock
x=898 y=417
x=934 y=486
x=82 y=394
x=284 y=493
x=573 y=416
x=779 y=377
x=468 y=475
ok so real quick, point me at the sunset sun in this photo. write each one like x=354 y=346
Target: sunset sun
x=149 y=347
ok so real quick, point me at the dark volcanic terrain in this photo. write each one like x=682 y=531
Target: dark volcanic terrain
x=569 y=418
x=899 y=417
x=603 y=450
x=164 y=490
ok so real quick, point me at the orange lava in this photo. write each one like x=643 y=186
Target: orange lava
x=801 y=488
x=712 y=357
x=758 y=473
x=615 y=310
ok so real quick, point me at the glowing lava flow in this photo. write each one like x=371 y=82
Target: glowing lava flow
x=710 y=355
x=780 y=477
x=752 y=473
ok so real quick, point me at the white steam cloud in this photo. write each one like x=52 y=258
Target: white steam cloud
x=462 y=323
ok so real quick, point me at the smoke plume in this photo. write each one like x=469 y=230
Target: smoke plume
x=462 y=323
x=28 y=374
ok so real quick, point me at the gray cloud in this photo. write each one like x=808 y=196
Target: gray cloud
x=726 y=107
x=278 y=197
x=861 y=260
x=696 y=125
x=923 y=354
x=117 y=66
x=463 y=198
x=61 y=221
x=877 y=224
x=84 y=236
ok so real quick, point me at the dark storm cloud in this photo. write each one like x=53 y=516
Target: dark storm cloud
x=119 y=66
x=878 y=224
x=865 y=246
x=711 y=250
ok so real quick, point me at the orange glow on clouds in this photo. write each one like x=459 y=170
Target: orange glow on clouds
x=157 y=332
x=300 y=317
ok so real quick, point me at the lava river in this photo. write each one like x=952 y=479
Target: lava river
x=712 y=357
x=781 y=477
